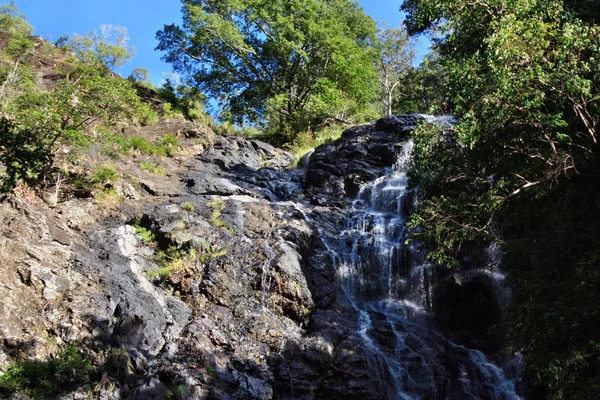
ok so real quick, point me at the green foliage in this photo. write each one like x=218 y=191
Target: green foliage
x=552 y=261
x=166 y=146
x=305 y=142
x=12 y=21
x=217 y=206
x=44 y=122
x=184 y=100
x=18 y=45
x=527 y=99
x=152 y=168
x=141 y=77
x=42 y=379
x=524 y=82
x=188 y=206
x=146 y=235
x=86 y=95
x=140 y=145
x=108 y=197
x=291 y=64
x=105 y=174
x=175 y=393
x=108 y=46
x=23 y=156
x=424 y=89
x=14 y=80
x=145 y=114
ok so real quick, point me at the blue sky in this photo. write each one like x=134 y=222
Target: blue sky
x=53 y=18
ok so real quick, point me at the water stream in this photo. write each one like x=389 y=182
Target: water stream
x=390 y=287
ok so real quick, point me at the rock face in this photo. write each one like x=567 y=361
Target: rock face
x=361 y=155
x=255 y=311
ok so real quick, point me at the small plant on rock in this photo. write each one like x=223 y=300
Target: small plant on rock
x=152 y=168
x=188 y=206
x=217 y=206
x=105 y=174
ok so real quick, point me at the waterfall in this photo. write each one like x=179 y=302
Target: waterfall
x=390 y=287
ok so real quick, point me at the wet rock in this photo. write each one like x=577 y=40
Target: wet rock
x=359 y=156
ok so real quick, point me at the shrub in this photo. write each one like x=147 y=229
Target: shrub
x=146 y=235
x=168 y=145
x=23 y=156
x=18 y=45
x=140 y=145
x=104 y=174
x=42 y=379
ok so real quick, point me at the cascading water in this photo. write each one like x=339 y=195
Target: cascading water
x=390 y=289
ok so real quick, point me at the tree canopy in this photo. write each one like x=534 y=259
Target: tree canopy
x=12 y=21
x=293 y=63
x=108 y=45
x=521 y=166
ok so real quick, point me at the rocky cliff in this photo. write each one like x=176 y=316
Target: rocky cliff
x=216 y=281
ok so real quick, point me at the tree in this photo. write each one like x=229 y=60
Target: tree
x=12 y=21
x=109 y=46
x=395 y=61
x=22 y=156
x=524 y=80
x=44 y=126
x=141 y=77
x=292 y=63
x=423 y=89
x=18 y=43
x=522 y=167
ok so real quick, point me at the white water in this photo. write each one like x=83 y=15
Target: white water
x=391 y=291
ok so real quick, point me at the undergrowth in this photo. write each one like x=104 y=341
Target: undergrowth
x=65 y=372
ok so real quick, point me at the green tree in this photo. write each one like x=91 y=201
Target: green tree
x=293 y=63
x=523 y=78
x=109 y=46
x=12 y=21
x=423 y=89
x=141 y=77
x=47 y=125
x=22 y=156
x=395 y=62
x=521 y=166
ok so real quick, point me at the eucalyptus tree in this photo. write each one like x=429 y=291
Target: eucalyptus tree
x=290 y=63
x=394 y=63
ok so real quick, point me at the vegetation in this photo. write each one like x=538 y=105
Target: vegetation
x=152 y=168
x=291 y=64
x=395 y=61
x=188 y=206
x=108 y=46
x=521 y=165
x=105 y=174
x=217 y=206
x=177 y=257
x=43 y=131
x=67 y=371
x=424 y=89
